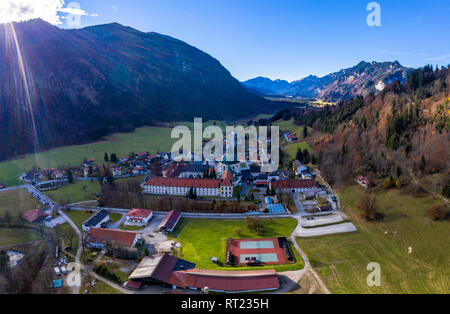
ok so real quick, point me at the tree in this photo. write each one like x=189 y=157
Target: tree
x=422 y=163
x=70 y=176
x=368 y=208
x=4 y=262
x=306 y=157
x=114 y=158
x=299 y=155
x=106 y=157
x=305 y=131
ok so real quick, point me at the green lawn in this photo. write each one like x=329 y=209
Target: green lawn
x=76 y=192
x=203 y=239
x=78 y=216
x=341 y=260
x=12 y=236
x=99 y=288
x=16 y=202
x=291 y=149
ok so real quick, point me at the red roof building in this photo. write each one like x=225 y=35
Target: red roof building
x=226 y=281
x=300 y=185
x=170 y=221
x=99 y=237
x=176 y=272
x=34 y=215
x=139 y=216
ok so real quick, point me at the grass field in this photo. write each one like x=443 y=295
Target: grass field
x=203 y=239
x=16 y=202
x=151 y=139
x=12 y=236
x=77 y=192
x=341 y=260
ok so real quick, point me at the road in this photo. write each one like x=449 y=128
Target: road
x=297 y=275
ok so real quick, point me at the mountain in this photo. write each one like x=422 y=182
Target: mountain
x=362 y=79
x=74 y=86
x=266 y=86
x=402 y=130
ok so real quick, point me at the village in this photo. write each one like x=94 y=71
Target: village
x=135 y=250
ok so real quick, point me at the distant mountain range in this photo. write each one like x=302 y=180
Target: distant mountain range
x=74 y=86
x=362 y=79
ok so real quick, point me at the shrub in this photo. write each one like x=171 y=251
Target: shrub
x=438 y=212
x=368 y=208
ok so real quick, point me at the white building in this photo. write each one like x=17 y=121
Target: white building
x=139 y=217
x=181 y=187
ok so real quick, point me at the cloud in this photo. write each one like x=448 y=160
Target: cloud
x=439 y=58
x=48 y=10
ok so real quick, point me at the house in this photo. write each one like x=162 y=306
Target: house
x=246 y=175
x=255 y=170
x=138 y=170
x=306 y=175
x=98 y=238
x=116 y=171
x=292 y=138
x=294 y=186
x=181 y=187
x=2 y=186
x=98 y=220
x=298 y=167
x=363 y=181
x=58 y=174
x=123 y=159
x=86 y=172
x=178 y=273
x=194 y=171
x=261 y=180
x=139 y=217
x=34 y=215
x=169 y=222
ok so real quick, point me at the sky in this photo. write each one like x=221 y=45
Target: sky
x=279 y=39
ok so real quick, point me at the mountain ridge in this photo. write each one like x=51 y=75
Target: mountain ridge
x=82 y=84
x=361 y=79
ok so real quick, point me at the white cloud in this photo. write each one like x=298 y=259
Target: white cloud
x=439 y=58
x=48 y=10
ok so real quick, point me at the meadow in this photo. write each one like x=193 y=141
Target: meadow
x=16 y=202
x=341 y=260
x=203 y=239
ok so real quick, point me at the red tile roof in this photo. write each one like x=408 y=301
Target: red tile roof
x=179 y=182
x=290 y=184
x=137 y=212
x=231 y=281
x=33 y=215
x=134 y=284
x=120 y=237
x=170 y=220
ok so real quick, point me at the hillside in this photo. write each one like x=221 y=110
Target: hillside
x=402 y=130
x=362 y=79
x=62 y=87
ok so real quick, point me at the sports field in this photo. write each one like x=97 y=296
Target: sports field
x=341 y=260
x=203 y=239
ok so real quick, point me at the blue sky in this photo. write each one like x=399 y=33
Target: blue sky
x=290 y=39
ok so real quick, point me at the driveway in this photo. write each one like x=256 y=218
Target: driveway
x=321 y=220
x=318 y=231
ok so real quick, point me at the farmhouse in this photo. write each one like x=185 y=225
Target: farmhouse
x=294 y=186
x=116 y=171
x=139 y=217
x=169 y=221
x=98 y=238
x=179 y=273
x=98 y=220
x=181 y=187
x=34 y=215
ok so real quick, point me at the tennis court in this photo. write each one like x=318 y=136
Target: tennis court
x=257 y=244
x=246 y=252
